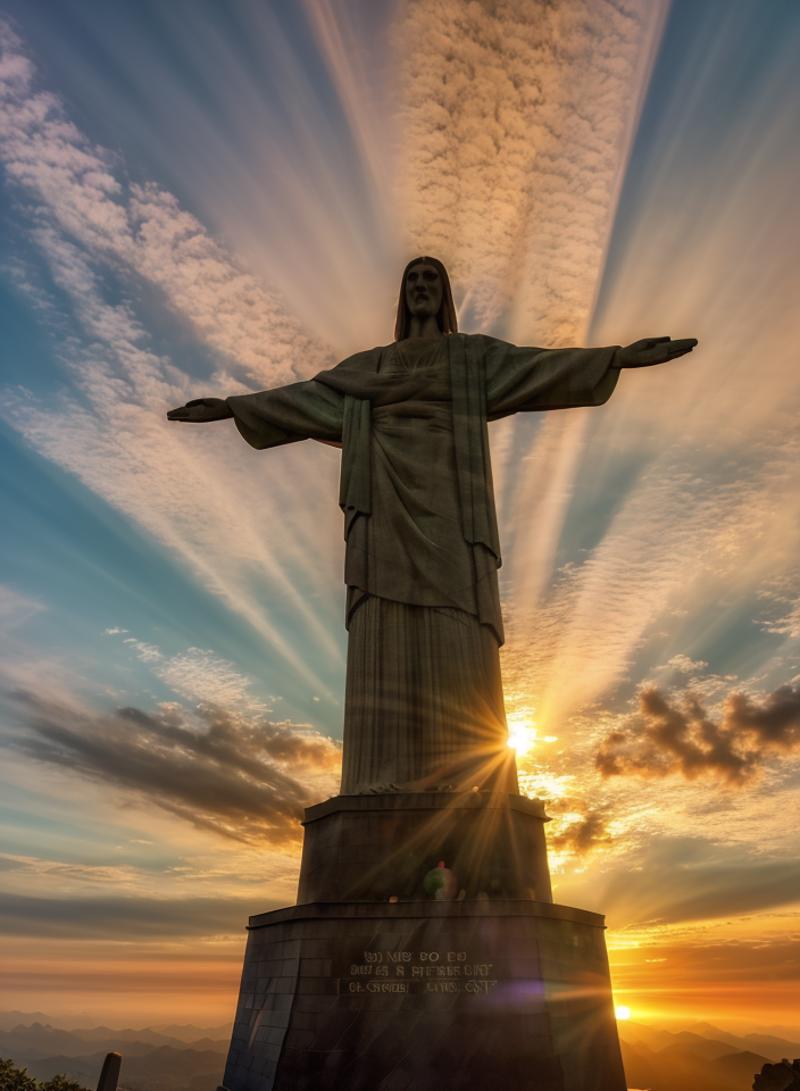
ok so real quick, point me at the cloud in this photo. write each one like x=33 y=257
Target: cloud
x=517 y=119
x=707 y=881
x=197 y=674
x=787 y=624
x=683 y=501
x=661 y=879
x=684 y=664
x=244 y=779
x=141 y=227
x=66 y=874
x=781 y=596
x=100 y=236
x=148 y=653
x=200 y=675
x=114 y=438
x=773 y=721
x=675 y=735
x=16 y=608
x=118 y=917
x=578 y=834
x=686 y=535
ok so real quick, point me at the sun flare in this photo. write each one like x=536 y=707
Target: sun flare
x=622 y=1012
x=522 y=734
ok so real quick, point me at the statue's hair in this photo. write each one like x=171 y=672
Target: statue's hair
x=446 y=319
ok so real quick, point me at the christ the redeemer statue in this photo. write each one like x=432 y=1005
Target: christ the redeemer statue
x=424 y=701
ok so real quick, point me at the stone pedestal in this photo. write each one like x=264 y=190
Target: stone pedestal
x=369 y=985
x=375 y=847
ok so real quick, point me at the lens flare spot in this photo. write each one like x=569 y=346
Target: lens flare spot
x=622 y=1012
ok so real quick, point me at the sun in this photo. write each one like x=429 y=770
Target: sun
x=522 y=735
x=622 y=1012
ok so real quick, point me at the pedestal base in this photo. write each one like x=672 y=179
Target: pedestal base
x=425 y=996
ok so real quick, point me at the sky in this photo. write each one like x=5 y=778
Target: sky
x=206 y=199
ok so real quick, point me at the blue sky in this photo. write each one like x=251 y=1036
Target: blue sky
x=204 y=198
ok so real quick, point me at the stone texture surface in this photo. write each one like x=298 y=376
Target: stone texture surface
x=371 y=847
x=423 y=995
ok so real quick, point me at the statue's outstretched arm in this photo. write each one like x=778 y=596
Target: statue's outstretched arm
x=520 y=379
x=270 y=418
x=201 y=411
x=525 y=379
x=653 y=350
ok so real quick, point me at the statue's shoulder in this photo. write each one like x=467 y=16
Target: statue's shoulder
x=484 y=341
x=480 y=345
x=365 y=360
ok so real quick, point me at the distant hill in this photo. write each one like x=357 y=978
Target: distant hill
x=162 y=1069
x=769 y=1042
x=741 y=1067
x=152 y=1059
x=677 y=1069
x=189 y=1032
x=186 y=1057
x=32 y=1043
x=81 y=1023
x=9 y=1019
x=689 y=1061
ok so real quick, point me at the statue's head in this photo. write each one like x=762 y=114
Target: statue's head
x=425 y=291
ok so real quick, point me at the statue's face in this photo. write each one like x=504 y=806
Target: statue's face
x=423 y=290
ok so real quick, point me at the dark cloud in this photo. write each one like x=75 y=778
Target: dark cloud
x=583 y=834
x=241 y=778
x=121 y=918
x=674 y=734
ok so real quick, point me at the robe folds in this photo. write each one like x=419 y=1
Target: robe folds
x=423 y=703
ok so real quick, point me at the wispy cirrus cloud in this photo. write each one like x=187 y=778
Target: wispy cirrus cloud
x=196 y=674
x=83 y=191
x=16 y=608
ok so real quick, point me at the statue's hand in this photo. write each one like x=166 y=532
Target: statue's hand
x=201 y=410
x=653 y=350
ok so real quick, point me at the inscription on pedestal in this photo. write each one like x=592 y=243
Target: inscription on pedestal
x=414 y=972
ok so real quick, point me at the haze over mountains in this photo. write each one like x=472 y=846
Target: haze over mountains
x=186 y=1057
x=703 y=1058
x=162 y=1058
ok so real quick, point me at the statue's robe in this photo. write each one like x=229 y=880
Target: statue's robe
x=424 y=704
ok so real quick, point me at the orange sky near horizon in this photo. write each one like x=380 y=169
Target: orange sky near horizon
x=662 y=982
